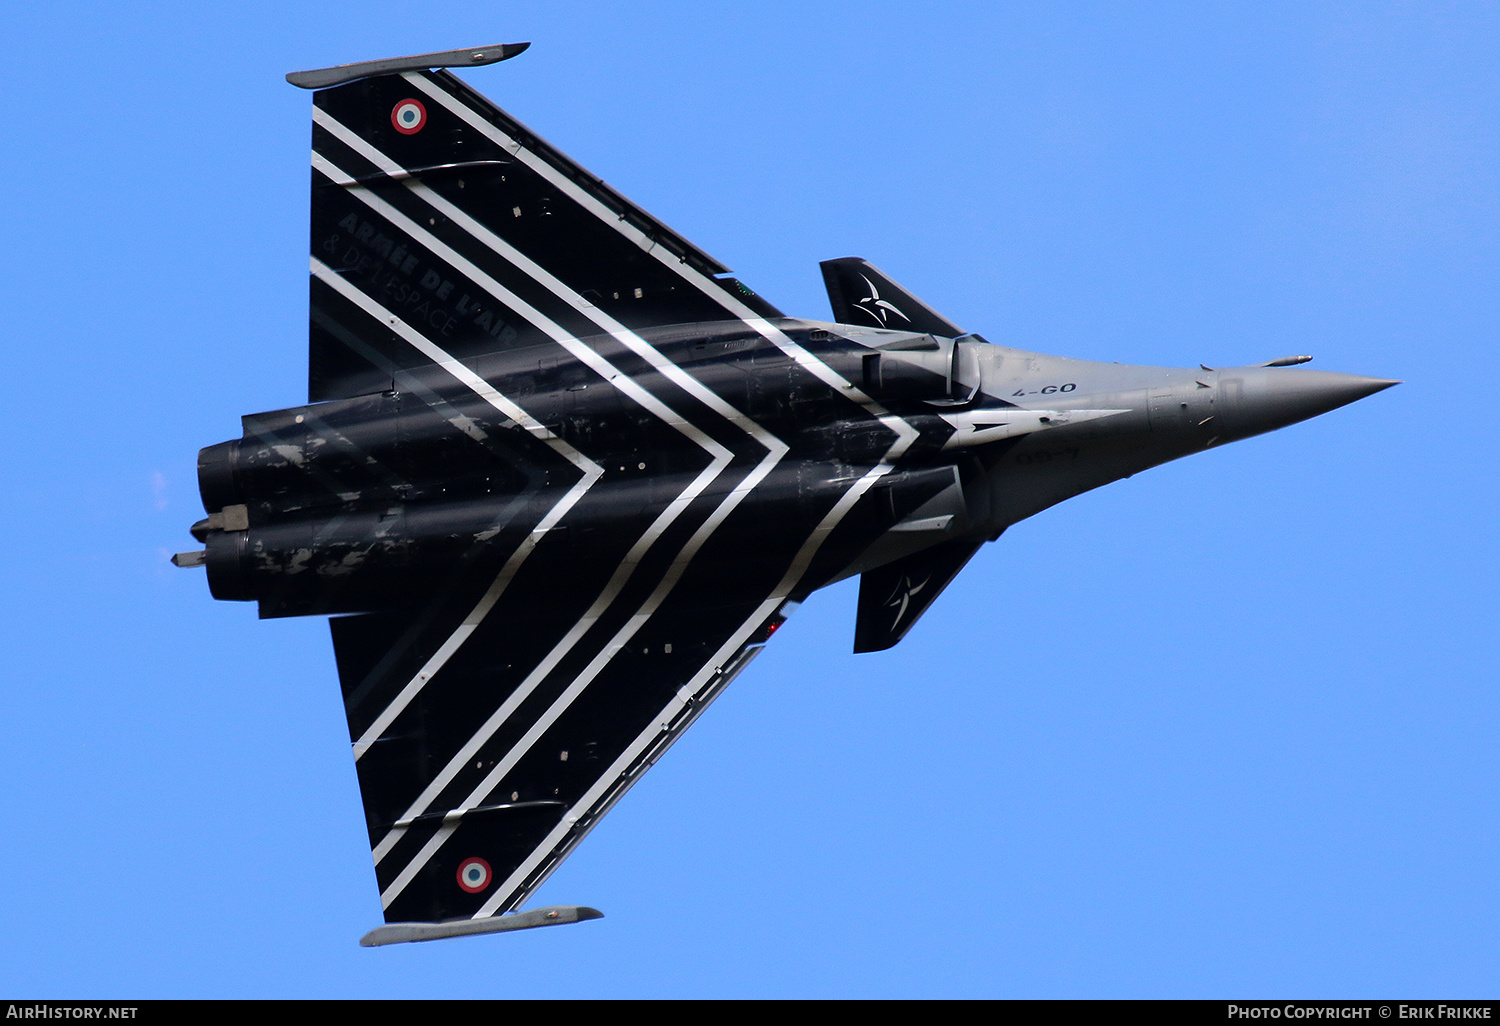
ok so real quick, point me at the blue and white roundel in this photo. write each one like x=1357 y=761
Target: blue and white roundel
x=474 y=875
x=409 y=116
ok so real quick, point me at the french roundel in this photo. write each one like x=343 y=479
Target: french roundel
x=409 y=116
x=474 y=875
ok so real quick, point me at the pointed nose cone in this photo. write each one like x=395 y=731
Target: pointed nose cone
x=1289 y=396
x=1258 y=399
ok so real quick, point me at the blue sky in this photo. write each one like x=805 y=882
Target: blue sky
x=1225 y=728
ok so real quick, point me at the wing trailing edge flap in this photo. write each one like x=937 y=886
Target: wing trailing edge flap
x=861 y=293
x=894 y=596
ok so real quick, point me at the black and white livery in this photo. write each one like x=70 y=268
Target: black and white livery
x=560 y=477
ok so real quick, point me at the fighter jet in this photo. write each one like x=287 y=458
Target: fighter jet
x=560 y=478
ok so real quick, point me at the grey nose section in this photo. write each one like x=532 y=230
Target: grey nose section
x=1258 y=399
